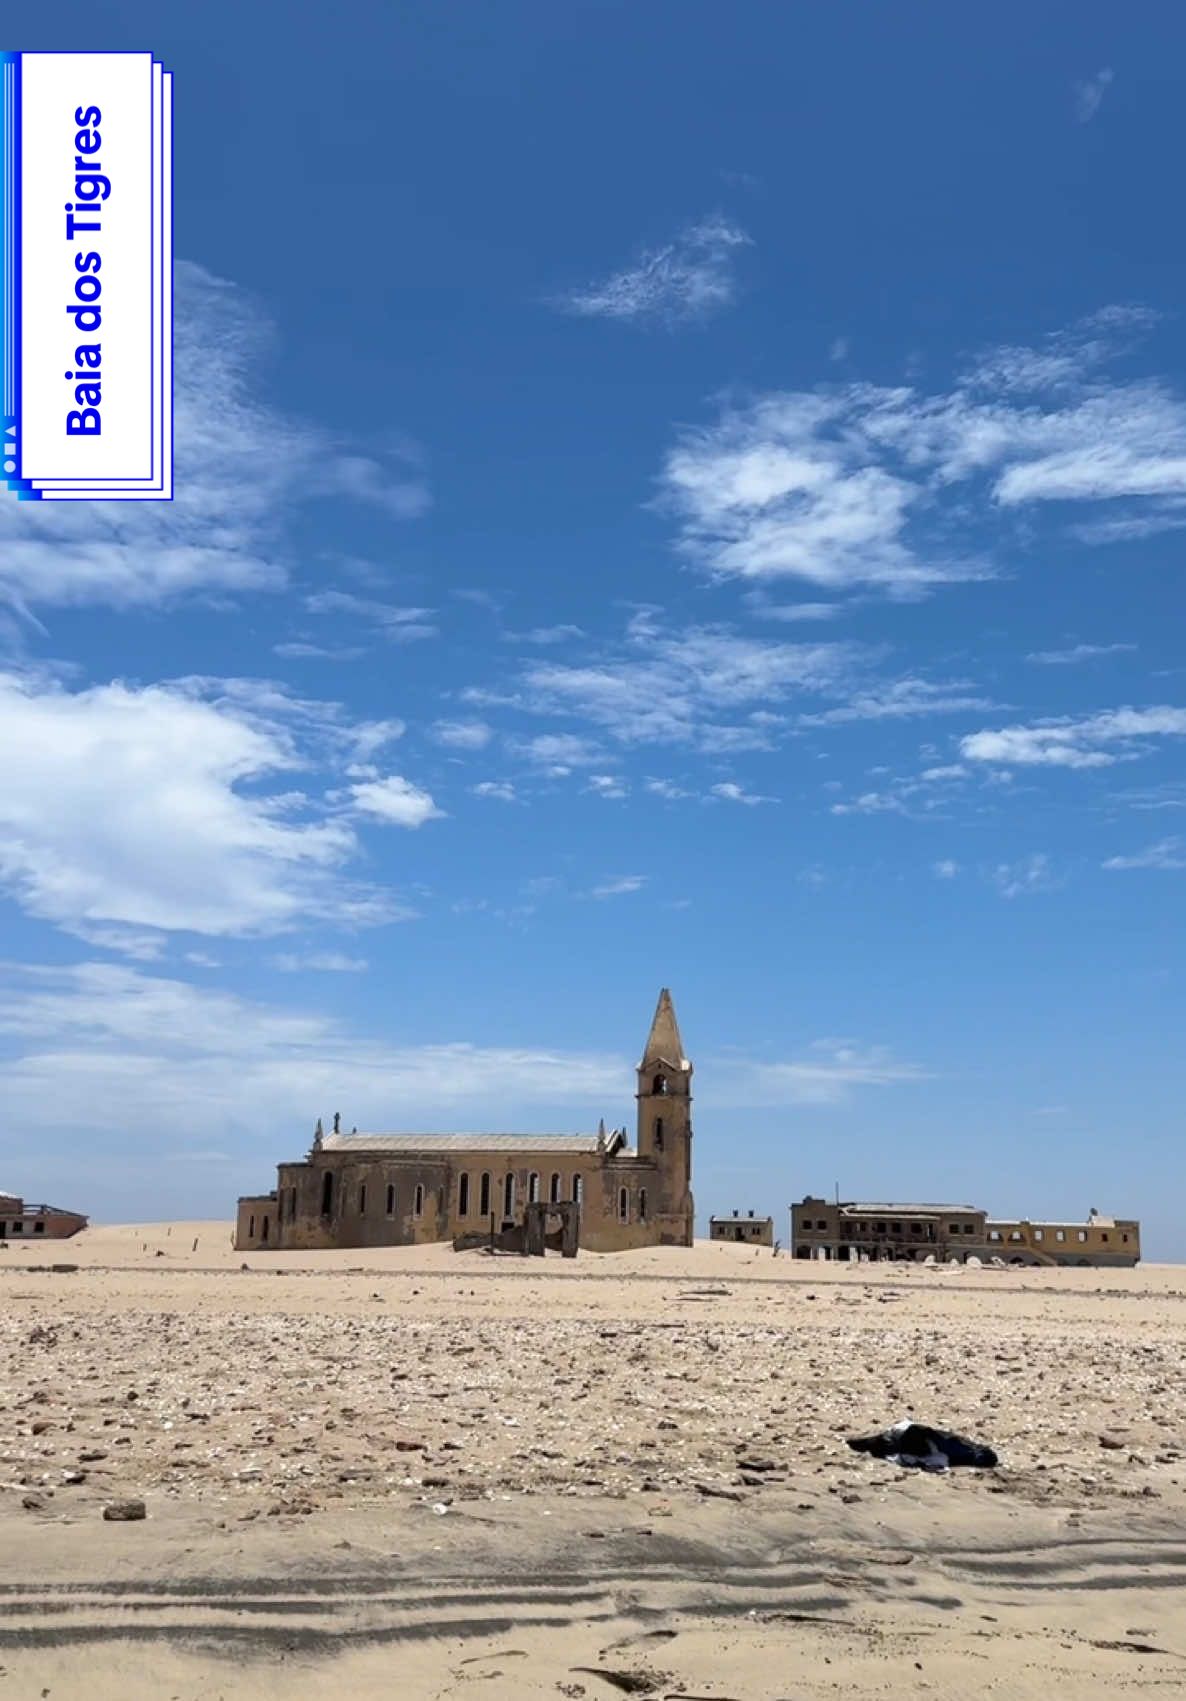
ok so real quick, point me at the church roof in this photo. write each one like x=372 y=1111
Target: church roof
x=664 y=1044
x=586 y=1145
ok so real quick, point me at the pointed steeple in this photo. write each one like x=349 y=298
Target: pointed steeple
x=664 y=1043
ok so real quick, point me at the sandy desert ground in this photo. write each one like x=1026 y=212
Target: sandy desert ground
x=424 y=1474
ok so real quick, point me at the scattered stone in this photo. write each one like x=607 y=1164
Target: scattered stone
x=125 y=1512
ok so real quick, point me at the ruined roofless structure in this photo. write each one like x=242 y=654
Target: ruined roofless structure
x=407 y=1189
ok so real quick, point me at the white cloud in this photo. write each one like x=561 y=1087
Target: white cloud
x=903 y=699
x=463 y=735
x=1021 y=879
x=1097 y=741
x=791 y=612
x=666 y=789
x=1077 y=653
x=703 y=686
x=945 y=869
x=500 y=789
x=1089 y=93
x=730 y=792
x=398 y=625
x=241 y=468
x=688 y=279
x=839 y=349
x=610 y=786
x=395 y=800
x=548 y=634
x=826 y=1076
x=621 y=887
x=865 y=486
x=320 y=962
x=125 y=810
x=1165 y=854
x=558 y=752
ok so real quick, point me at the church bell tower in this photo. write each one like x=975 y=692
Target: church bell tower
x=665 y=1123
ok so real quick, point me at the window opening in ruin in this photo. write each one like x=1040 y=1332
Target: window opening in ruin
x=642 y=1204
x=623 y=1205
x=327 y=1192
x=659 y=1086
x=250 y=1229
x=419 y=1205
x=39 y=1228
x=390 y=1200
x=463 y=1196
x=1082 y=1234
x=578 y=1190
x=1060 y=1234
x=533 y=1188
x=264 y=1233
x=362 y=1200
x=508 y=1196
x=659 y=1133
x=554 y=1190
x=484 y=1196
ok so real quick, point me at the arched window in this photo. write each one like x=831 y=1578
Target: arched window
x=642 y=1204
x=533 y=1188
x=554 y=1190
x=327 y=1193
x=264 y=1235
x=508 y=1196
x=659 y=1086
x=623 y=1205
x=659 y=1133
x=484 y=1196
x=419 y=1205
x=578 y=1190
x=463 y=1196
x=362 y=1200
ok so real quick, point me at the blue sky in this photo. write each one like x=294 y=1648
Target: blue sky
x=665 y=495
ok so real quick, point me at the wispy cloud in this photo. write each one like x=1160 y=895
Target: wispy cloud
x=1166 y=853
x=1097 y=741
x=463 y=735
x=502 y=790
x=243 y=469
x=1089 y=93
x=611 y=786
x=319 y=962
x=1077 y=653
x=703 y=686
x=945 y=868
x=728 y=791
x=892 y=489
x=904 y=699
x=687 y=279
x=620 y=887
x=1024 y=878
x=397 y=624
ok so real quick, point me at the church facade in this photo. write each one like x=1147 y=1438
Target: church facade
x=408 y=1189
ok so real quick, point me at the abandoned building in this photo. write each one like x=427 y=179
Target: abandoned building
x=749 y=1230
x=49 y=1222
x=856 y=1231
x=407 y=1189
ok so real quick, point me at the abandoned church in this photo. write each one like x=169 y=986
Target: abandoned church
x=405 y=1189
